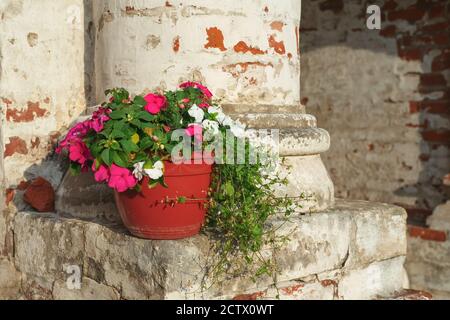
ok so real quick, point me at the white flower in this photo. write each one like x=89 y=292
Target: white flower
x=220 y=116
x=138 y=171
x=237 y=129
x=156 y=171
x=227 y=121
x=211 y=129
x=196 y=113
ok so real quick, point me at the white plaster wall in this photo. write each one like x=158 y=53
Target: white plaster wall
x=135 y=47
x=41 y=76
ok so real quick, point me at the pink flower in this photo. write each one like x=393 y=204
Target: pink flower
x=79 y=152
x=101 y=174
x=199 y=86
x=98 y=118
x=121 y=178
x=182 y=106
x=185 y=100
x=166 y=128
x=75 y=133
x=194 y=130
x=155 y=103
x=203 y=105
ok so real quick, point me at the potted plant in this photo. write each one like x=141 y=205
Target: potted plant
x=163 y=154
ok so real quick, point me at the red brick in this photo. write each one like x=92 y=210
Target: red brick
x=335 y=6
x=438 y=106
x=410 y=14
x=441 y=62
x=436 y=27
x=389 y=31
x=251 y=296
x=389 y=5
x=427 y=234
x=40 y=195
x=410 y=54
x=430 y=106
x=404 y=41
x=414 y=106
x=432 y=80
x=441 y=39
x=436 y=11
x=436 y=136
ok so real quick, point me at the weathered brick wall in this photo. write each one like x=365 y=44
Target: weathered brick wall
x=382 y=94
x=42 y=90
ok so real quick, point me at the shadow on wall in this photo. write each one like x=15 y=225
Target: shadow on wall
x=383 y=95
x=89 y=53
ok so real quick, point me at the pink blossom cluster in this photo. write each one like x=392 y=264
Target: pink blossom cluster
x=73 y=142
x=118 y=178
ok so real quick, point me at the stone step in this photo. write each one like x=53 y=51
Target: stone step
x=409 y=294
x=354 y=250
x=428 y=261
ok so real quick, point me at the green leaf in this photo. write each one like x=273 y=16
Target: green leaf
x=139 y=100
x=117 y=114
x=97 y=163
x=138 y=187
x=144 y=115
x=129 y=146
x=229 y=189
x=146 y=142
x=106 y=157
x=75 y=168
x=118 y=159
x=137 y=123
x=115 y=134
x=115 y=145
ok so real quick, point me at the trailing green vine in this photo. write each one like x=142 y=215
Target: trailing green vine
x=242 y=201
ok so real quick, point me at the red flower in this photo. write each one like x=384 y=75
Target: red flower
x=155 y=103
x=121 y=178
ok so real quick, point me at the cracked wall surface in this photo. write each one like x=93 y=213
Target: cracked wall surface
x=252 y=60
x=42 y=87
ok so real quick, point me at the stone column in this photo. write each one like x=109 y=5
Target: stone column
x=246 y=52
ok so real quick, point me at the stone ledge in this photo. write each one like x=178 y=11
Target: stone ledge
x=409 y=294
x=352 y=236
x=276 y=120
x=428 y=265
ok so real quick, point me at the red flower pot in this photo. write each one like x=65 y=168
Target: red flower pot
x=156 y=214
